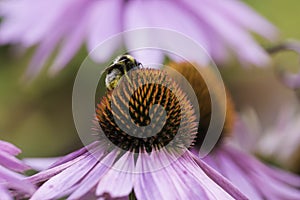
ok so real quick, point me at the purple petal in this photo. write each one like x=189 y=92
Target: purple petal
x=16 y=181
x=105 y=17
x=70 y=15
x=23 y=26
x=9 y=148
x=243 y=15
x=220 y=180
x=175 y=19
x=238 y=177
x=70 y=46
x=260 y=175
x=63 y=181
x=40 y=163
x=149 y=58
x=283 y=176
x=75 y=154
x=43 y=52
x=183 y=179
x=218 y=186
x=95 y=175
x=120 y=174
x=45 y=175
x=4 y=193
x=237 y=38
x=12 y=163
x=156 y=184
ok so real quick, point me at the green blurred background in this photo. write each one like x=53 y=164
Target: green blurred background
x=37 y=115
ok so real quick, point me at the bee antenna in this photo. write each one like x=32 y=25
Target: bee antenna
x=140 y=65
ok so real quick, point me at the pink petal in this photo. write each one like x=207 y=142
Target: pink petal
x=256 y=171
x=238 y=177
x=156 y=184
x=45 y=175
x=244 y=16
x=40 y=163
x=75 y=154
x=121 y=174
x=220 y=180
x=182 y=179
x=70 y=46
x=21 y=23
x=63 y=181
x=175 y=20
x=4 y=193
x=105 y=17
x=70 y=15
x=149 y=58
x=43 y=52
x=12 y=163
x=9 y=148
x=239 y=40
x=94 y=175
x=16 y=181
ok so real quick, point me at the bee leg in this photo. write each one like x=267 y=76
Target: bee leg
x=127 y=77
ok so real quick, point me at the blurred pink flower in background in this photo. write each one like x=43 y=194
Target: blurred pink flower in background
x=292 y=80
x=221 y=27
x=11 y=182
x=279 y=142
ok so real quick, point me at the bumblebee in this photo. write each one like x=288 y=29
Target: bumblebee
x=120 y=66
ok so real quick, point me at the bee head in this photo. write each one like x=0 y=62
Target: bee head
x=127 y=61
x=120 y=66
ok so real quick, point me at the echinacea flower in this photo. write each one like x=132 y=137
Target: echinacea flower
x=12 y=183
x=138 y=161
x=219 y=26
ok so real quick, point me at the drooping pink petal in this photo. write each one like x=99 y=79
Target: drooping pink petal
x=122 y=173
x=5 y=195
x=225 y=188
x=218 y=26
x=239 y=177
x=95 y=175
x=71 y=14
x=221 y=181
x=173 y=20
x=16 y=181
x=71 y=44
x=58 y=184
x=75 y=154
x=9 y=148
x=40 y=163
x=47 y=174
x=43 y=52
x=23 y=25
x=283 y=176
x=156 y=183
x=104 y=22
x=181 y=179
x=253 y=174
x=233 y=10
x=12 y=163
x=237 y=38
